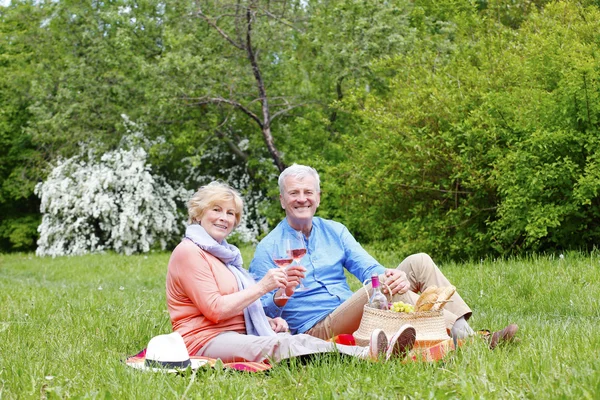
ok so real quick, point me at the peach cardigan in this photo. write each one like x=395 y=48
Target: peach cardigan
x=196 y=282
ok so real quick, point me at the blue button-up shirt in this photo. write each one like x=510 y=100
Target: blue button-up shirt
x=330 y=249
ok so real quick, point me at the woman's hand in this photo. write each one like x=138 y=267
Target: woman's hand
x=273 y=279
x=279 y=325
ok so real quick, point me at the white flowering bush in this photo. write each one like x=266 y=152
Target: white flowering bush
x=111 y=204
x=252 y=223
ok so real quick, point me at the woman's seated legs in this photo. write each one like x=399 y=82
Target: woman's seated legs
x=233 y=346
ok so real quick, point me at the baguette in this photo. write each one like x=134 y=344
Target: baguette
x=444 y=295
x=427 y=299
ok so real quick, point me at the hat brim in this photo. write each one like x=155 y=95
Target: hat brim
x=140 y=364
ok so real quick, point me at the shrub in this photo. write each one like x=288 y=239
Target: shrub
x=112 y=204
x=492 y=150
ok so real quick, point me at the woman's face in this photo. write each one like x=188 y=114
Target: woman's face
x=219 y=220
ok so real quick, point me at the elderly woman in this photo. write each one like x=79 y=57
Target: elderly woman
x=214 y=303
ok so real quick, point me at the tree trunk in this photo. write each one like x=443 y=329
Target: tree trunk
x=264 y=120
x=262 y=94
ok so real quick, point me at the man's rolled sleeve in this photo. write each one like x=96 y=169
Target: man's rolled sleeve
x=360 y=263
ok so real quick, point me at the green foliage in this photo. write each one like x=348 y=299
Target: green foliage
x=20 y=162
x=89 y=61
x=19 y=233
x=487 y=151
x=66 y=75
x=457 y=127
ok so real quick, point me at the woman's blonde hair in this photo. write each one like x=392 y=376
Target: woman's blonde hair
x=209 y=195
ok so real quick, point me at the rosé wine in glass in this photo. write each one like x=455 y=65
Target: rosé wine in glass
x=281 y=257
x=297 y=250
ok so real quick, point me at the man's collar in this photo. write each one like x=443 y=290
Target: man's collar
x=291 y=229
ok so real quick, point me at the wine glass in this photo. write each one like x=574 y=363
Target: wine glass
x=282 y=258
x=297 y=250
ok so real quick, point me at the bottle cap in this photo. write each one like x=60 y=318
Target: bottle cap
x=375 y=280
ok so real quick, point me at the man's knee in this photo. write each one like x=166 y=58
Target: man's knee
x=416 y=261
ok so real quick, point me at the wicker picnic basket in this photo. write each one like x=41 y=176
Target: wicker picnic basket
x=430 y=325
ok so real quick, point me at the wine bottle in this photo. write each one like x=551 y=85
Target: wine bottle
x=377 y=299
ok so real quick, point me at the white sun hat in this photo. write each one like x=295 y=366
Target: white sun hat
x=166 y=353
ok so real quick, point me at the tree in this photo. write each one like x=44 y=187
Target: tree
x=21 y=163
x=239 y=25
x=490 y=150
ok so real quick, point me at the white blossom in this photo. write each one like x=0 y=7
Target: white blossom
x=113 y=204
x=116 y=203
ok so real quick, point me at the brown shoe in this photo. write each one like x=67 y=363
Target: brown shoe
x=505 y=335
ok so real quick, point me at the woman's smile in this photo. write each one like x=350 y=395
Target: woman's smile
x=219 y=220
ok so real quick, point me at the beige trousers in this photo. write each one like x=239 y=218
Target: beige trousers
x=233 y=346
x=421 y=272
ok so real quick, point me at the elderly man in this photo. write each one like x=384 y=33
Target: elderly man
x=329 y=307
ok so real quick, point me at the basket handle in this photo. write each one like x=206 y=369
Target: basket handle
x=389 y=293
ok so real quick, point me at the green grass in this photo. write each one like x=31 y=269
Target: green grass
x=66 y=324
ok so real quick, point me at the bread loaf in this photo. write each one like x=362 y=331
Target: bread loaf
x=444 y=295
x=427 y=299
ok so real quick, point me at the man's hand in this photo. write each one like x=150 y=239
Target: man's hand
x=295 y=274
x=396 y=280
x=278 y=325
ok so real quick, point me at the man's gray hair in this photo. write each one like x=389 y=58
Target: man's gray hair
x=299 y=172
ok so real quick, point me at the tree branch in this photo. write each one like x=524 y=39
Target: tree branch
x=587 y=100
x=280 y=112
x=200 y=14
x=220 y=100
x=262 y=92
x=236 y=150
x=281 y=21
x=247 y=12
x=433 y=189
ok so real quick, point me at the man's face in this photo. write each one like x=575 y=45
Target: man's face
x=300 y=199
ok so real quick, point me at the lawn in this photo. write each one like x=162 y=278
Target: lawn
x=66 y=324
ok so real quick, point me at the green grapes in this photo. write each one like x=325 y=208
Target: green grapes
x=402 y=307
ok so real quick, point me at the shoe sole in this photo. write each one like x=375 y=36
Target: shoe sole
x=402 y=342
x=378 y=344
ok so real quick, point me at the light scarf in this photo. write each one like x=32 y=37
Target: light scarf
x=257 y=323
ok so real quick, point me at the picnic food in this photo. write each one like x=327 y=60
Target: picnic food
x=400 y=306
x=427 y=299
x=444 y=295
x=434 y=298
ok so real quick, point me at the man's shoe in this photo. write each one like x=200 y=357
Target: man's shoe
x=402 y=342
x=378 y=344
x=505 y=335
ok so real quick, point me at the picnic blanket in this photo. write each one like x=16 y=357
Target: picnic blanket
x=423 y=351
x=245 y=366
